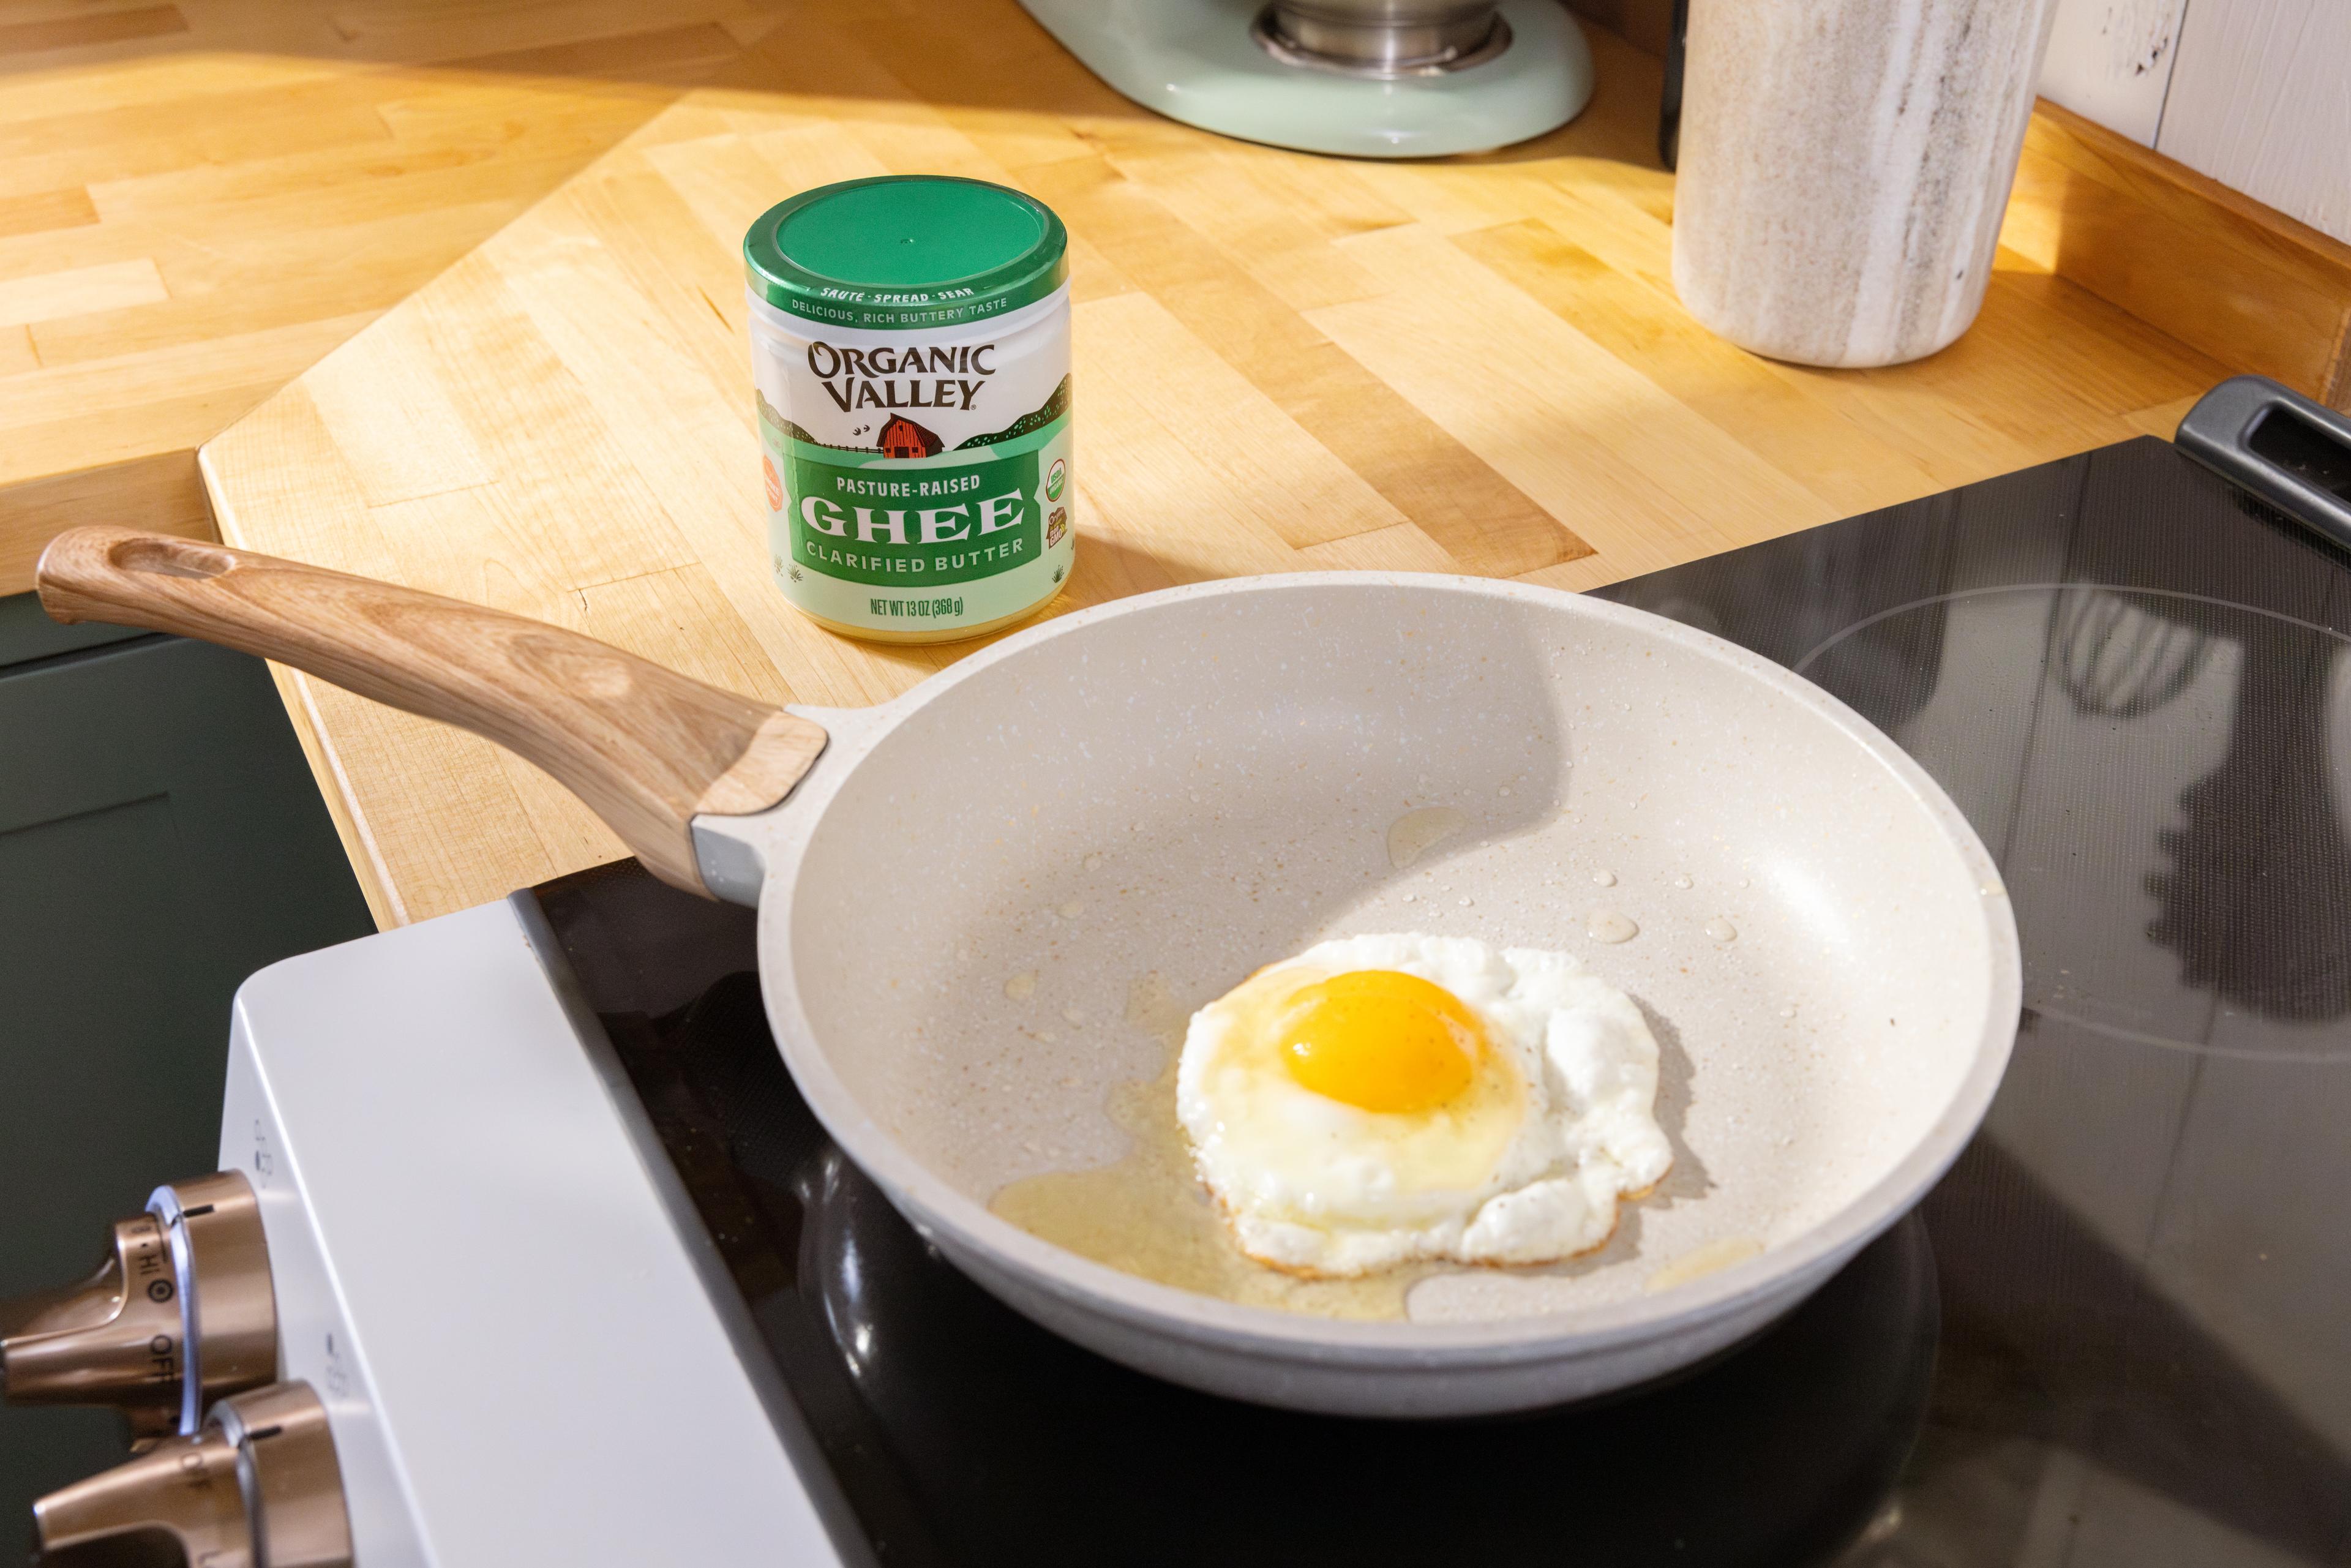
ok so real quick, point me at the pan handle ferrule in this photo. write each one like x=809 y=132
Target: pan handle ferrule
x=734 y=852
x=730 y=859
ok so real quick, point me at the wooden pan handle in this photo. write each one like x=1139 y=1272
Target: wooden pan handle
x=646 y=747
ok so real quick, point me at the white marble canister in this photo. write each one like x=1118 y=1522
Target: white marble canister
x=1843 y=167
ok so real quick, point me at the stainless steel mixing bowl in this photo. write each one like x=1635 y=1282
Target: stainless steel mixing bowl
x=1383 y=38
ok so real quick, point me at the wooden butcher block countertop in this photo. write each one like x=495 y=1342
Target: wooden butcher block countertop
x=1284 y=362
x=200 y=198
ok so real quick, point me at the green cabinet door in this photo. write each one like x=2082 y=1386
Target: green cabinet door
x=161 y=838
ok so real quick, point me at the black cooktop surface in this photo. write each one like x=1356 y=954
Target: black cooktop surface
x=2117 y=1333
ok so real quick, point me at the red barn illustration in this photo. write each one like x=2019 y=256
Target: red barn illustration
x=902 y=437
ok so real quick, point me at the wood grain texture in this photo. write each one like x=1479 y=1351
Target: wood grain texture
x=162 y=493
x=198 y=200
x=2213 y=267
x=92 y=26
x=1283 y=363
x=645 y=748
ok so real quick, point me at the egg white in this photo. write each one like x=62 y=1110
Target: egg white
x=1317 y=1187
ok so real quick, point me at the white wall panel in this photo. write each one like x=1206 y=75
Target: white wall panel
x=2110 y=60
x=2261 y=100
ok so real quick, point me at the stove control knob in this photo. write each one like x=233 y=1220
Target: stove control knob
x=179 y=1314
x=257 y=1487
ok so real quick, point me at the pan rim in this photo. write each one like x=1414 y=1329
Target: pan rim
x=1268 y=1333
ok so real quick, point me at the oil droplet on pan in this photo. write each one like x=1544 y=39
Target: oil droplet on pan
x=1604 y=878
x=1610 y=925
x=1721 y=930
x=1022 y=986
x=1415 y=833
x=1699 y=1262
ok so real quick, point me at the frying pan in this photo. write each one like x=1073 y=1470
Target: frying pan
x=1182 y=786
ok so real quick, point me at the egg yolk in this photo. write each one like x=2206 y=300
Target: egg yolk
x=1381 y=1040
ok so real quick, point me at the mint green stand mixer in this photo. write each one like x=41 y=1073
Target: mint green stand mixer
x=1362 y=79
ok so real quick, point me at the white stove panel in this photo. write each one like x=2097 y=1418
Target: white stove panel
x=477 y=1266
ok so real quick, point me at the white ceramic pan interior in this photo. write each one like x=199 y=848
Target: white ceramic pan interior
x=1194 y=784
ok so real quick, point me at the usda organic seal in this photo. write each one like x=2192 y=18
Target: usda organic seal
x=910 y=344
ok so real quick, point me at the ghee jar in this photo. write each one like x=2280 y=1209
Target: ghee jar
x=910 y=348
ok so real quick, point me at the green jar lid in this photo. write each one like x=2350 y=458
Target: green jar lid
x=906 y=250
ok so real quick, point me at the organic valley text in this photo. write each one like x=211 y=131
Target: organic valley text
x=871 y=378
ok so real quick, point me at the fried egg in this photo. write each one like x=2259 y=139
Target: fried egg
x=1382 y=1099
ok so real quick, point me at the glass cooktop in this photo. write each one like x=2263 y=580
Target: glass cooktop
x=2117 y=1333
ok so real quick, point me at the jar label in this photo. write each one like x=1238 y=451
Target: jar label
x=921 y=485
x=901 y=543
